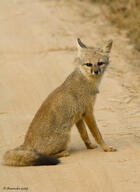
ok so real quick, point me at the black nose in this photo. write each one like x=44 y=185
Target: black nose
x=96 y=71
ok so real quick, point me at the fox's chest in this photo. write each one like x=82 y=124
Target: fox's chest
x=83 y=107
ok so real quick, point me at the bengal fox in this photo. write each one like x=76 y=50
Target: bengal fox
x=71 y=103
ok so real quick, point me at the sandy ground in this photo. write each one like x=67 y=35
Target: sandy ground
x=37 y=49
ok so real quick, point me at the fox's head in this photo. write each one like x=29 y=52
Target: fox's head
x=93 y=62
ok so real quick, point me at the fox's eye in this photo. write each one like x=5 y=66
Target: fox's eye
x=100 y=63
x=88 y=64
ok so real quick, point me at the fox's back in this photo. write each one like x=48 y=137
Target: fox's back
x=62 y=107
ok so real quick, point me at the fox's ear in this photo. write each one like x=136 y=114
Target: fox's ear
x=107 y=47
x=80 y=46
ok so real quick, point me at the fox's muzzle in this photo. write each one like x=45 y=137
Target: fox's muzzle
x=97 y=69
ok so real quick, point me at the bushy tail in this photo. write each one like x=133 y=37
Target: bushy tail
x=23 y=157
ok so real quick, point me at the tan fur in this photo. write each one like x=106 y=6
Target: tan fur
x=71 y=103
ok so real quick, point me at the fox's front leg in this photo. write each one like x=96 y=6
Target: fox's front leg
x=91 y=123
x=84 y=135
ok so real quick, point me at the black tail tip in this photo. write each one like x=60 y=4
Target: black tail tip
x=46 y=160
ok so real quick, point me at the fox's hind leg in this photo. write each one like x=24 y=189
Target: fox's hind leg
x=62 y=154
x=84 y=135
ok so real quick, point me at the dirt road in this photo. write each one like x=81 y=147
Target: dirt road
x=37 y=49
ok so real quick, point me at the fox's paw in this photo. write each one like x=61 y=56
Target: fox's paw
x=91 y=146
x=109 y=149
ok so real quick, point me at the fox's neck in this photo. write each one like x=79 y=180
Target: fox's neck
x=76 y=81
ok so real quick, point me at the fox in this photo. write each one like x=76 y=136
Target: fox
x=71 y=103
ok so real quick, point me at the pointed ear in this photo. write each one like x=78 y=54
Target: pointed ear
x=107 y=47
x=80 y=46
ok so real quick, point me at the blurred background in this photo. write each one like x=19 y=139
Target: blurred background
x=125 y=14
